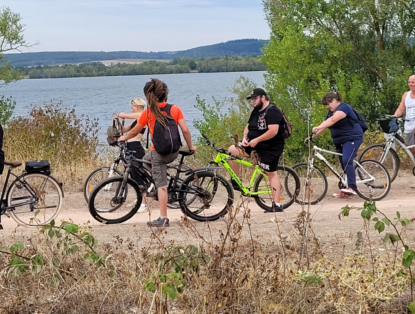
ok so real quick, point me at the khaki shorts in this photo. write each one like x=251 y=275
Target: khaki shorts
x=410 y=138
x=159 y=166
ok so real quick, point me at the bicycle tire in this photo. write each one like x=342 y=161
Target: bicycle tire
x=217 y=196
x=289 y=190
x=318 y=186
x=112 y=206
x=392 y=161
x=380 y=184
x=42 y=208
x=95 y=177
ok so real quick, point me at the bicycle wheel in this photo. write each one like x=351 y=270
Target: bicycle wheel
x=112 y=202
x=376 y=188
x=42 y=198
x=318 y=185
x=290 y=187
x=96 y=177
x=391 y=162
x=206 y=197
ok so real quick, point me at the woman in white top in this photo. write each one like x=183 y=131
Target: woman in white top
x=134 y=143
x=408 y=104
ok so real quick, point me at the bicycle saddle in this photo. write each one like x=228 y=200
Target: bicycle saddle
x=186 y=152
x=13 y=164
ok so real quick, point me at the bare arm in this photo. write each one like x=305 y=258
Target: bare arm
x=133 y=115
x=134 y=132
x=338 y=115
x=186 y=134
x=124 y=115
x=245 y=138
x=401 y=107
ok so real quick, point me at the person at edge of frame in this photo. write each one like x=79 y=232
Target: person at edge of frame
x=134 y=144
x=1 y=150
x=408 y=105
x=347 y=135
x=263 y=139
x=156 y=93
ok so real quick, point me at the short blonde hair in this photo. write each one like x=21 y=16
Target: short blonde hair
x=138 y=102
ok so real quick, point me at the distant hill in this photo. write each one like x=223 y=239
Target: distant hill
x=242 y=47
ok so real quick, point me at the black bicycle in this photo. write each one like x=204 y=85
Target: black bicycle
x=34 y=198
x=203 y=195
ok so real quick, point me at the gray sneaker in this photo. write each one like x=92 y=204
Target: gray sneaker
x=159 y=222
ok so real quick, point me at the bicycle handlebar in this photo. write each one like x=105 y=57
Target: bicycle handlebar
x=219 y=150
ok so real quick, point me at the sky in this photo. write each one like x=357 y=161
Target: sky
x=137 y=25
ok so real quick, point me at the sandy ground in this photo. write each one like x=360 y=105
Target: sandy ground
x=325 y=223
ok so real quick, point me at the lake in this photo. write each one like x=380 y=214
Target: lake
x=99 y=97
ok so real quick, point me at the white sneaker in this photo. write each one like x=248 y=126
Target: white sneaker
x=143 y=208
x=348 y=191
x=132 y=204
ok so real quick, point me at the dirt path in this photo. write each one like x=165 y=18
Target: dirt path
x=326 y=225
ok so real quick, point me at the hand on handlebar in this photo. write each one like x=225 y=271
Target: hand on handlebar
x=245 y=142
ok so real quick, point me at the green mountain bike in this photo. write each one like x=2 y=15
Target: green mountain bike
x=258 y=186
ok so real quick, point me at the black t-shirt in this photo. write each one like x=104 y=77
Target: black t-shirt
x=258 y=125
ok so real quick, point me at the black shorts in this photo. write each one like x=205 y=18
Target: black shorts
x=139 y=153
x=267 y=160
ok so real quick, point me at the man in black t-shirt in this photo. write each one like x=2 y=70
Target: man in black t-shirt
x=263 y=136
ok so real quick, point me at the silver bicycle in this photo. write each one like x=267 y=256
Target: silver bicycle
x=372 y=179
x=386 y=153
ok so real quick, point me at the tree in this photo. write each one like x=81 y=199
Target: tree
x=364 y=49
x=11 y=39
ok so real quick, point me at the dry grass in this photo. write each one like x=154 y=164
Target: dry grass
x=228 y=272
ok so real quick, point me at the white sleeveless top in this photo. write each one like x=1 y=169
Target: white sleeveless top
x=410 y=113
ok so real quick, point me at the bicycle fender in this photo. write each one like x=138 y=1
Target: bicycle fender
x=59 y=183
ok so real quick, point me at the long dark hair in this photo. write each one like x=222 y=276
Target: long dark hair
x=330 y=96
x=156 y=92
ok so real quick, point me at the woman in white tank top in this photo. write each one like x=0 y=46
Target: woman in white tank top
x=408 y=104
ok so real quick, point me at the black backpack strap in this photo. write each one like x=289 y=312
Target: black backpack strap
x=167 y=109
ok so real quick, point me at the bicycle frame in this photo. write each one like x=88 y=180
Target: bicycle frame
x=4 y=206
x=221 y=158
x=175 y=184
x=315 y=152
x=393 y=140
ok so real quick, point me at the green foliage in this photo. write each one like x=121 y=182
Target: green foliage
x=309 y=278
x=390 y=239
x=411 y=307
x=223 y=120
x=67 y=238
x=11 y=38
x=54 y=133
x=176 y=262
x=361 y=48
x=177 y=65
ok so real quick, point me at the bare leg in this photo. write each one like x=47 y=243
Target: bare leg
x=275 y=184
x=235 y=151
x=162 y=196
